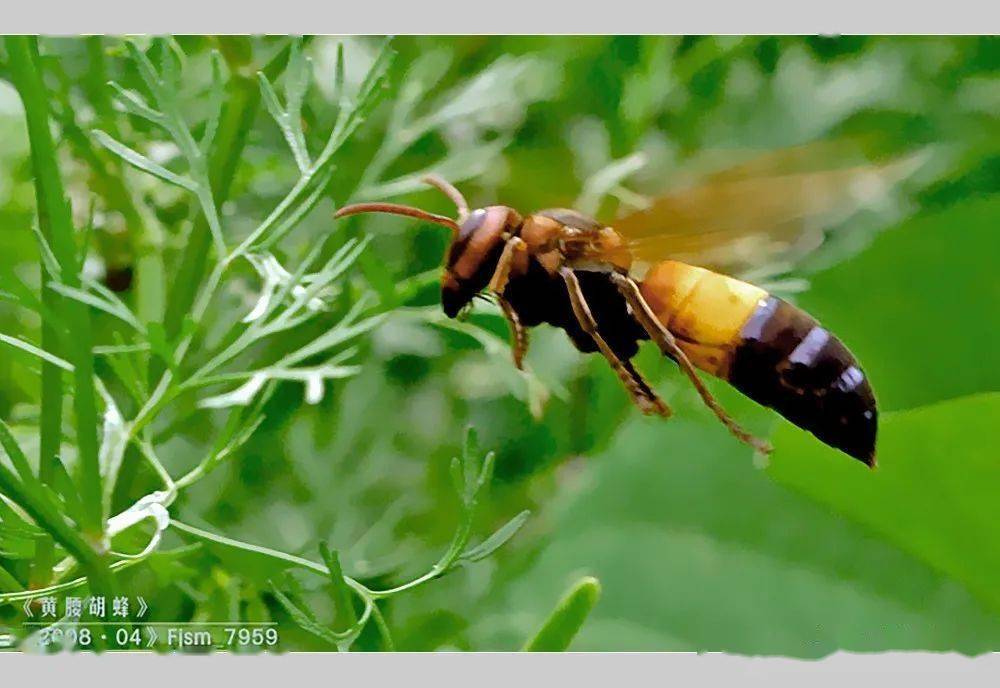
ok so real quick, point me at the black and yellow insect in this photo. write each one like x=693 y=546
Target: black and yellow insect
x=575 y=273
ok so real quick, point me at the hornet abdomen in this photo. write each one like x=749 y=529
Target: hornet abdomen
x=769 y=350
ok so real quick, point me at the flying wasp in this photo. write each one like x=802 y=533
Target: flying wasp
x=563 y=268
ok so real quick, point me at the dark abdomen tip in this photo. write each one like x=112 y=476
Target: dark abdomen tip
x=787 y=362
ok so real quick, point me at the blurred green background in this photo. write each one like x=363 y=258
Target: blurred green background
x=697 y=546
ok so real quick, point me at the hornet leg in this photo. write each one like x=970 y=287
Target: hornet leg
x=497 y=285
x=661 y=407
x=500 y=276
x=644 y=397
x=668 y=345
x=520 y=335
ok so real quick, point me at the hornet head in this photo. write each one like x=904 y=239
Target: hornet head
x=477 y=240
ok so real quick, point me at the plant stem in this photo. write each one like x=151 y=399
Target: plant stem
x=7 y=581
x=227 y=151
x=143 y=231
x=57 y=223
x=19 y=596
x=291 y=559
x=46 y=516
x=50 y=422
x=343 y=606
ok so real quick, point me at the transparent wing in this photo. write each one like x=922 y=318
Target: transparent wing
x=763 y=216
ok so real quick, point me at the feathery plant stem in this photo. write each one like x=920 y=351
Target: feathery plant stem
x=242 y=105
x=150 y=359
x=28 y=492
x=64 y=586
x=162 y=86
x=470 y=479
x=145 y=233
x=295 y=204
x=57 y=227
x=348 y=119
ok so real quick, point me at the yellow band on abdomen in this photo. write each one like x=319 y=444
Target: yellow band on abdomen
x=703 y=309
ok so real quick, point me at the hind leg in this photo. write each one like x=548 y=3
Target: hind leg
x=668 y=345
x=643 y=396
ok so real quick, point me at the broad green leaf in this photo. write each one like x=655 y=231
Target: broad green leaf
x=696 y=549
x=567 y=618
x=934 y=493
x=919 y=308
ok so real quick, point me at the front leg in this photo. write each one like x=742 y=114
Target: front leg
x=498 y=283
x=668 y=345
x=502 y=273
x=518 y=333
x=643 y=396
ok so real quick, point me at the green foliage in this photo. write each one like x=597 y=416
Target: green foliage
x=943 y=512
x=566 y=619
x=288 y=301
x=929 y=282
x=273 y=386
x=470 y=478
x=57 y=232
x=696 y=548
